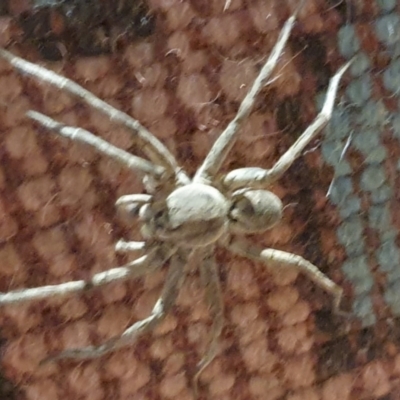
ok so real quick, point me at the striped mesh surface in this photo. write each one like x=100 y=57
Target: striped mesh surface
x=184 y=82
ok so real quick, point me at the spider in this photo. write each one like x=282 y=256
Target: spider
x=183 y=216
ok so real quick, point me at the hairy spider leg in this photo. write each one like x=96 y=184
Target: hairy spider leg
x=228 y=137
x=173 y=282
x=210 y=281
x=283 y=258
x=151 y=146
x=259 y=178
x=81 y=135
x=122 y=246
x=152 y=261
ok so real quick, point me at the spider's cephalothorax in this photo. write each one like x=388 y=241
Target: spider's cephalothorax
x=193 y=215
x=182 y=216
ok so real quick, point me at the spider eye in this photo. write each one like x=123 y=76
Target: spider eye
x=254 y=211
x=161 y=218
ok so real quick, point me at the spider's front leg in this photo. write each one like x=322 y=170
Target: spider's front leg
x=82 y=135
x=284 y=258
x=169 y=293
x=228 y=137
x=162 y=162
x=259 y=178
x=150 y=145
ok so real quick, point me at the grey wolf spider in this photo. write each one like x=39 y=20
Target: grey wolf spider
x=182 y=216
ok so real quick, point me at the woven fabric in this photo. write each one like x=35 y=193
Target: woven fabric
x=184 y=82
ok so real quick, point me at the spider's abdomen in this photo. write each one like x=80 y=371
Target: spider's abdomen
x=193 y=215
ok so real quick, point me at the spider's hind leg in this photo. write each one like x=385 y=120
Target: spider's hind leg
x=169 y=293
x=153 y=260
x=285 y=259
x=211 y=283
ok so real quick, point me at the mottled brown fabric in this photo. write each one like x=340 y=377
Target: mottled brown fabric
x=58 y=223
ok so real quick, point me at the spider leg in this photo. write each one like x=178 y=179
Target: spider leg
x=226 y=140
x=153 y=148
x=132 y=203
x=134 y=269
x=102 y=146
x=211 y=283
x=123 y=246
x=169 y=293
x=284 y=258
x=261 y=178
x=133 y=198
